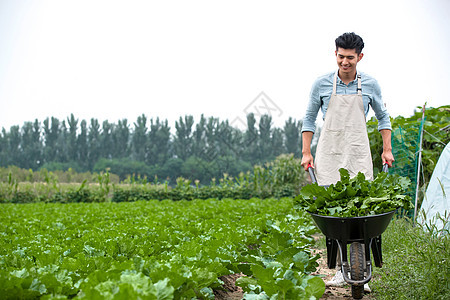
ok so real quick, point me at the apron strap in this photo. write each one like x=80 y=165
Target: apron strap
x=334 y=82
x=358 y=76
x=359 y=90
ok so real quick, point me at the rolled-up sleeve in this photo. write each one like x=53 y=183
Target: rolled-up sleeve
x=378 y=107
x=309 y=121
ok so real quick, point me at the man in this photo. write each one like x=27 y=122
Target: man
x=344 y=97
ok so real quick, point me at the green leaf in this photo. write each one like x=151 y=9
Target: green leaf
x=301 y=260
x=284 y=285
x=20 y=273
x=277 y=241
x=345 y=176
x=162 y=290
x=37 y=286
x=253 y=296
x=265 y=278
x=315 y=287
x=245 y=281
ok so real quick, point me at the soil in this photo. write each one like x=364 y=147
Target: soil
x=232 y=292
x=331 y=293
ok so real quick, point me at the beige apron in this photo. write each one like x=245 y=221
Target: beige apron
x=343 y=141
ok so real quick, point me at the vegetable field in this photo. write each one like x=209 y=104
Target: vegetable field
x=156 y=250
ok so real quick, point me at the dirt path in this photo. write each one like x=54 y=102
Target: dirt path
x=326 y=274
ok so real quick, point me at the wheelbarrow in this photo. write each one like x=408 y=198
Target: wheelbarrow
x=363 y=234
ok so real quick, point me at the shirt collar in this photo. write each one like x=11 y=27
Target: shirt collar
x=354 y=81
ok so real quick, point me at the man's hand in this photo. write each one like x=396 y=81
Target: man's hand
x=387 y=157
x=307 y=159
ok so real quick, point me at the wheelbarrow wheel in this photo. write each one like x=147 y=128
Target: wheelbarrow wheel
x=357 y=268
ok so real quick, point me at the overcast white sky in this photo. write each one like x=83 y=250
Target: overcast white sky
x=119 y=59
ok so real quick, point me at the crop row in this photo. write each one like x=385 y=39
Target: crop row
x=27 y=192
x=156 y=249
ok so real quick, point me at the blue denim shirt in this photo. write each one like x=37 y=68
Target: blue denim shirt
x=321 y=93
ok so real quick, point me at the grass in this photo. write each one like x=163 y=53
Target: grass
x=416 y=263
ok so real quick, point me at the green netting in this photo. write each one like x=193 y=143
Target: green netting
x=405 y=148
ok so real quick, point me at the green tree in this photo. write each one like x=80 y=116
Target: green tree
x=227 y=165
x=183 y=137
x=14 y=146
x=61 y=144
x=25 y=145
x=4 y=157
x=82 y=146
x=71 y=140
x=121 y=139
x=158 y=142
x=139 y=141
x=277 y=143
x=106 y=140
x=31 y=145
x=292 y=133
x=51 y=135
x=227 y=144
x=94 y=144
x=199 y=137
x=211 y=147
x=171 y=170
x=250 y=144
x=37 y=153
x=194 y=169
x=265 y=141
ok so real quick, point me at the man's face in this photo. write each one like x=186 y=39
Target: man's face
x=347 y=60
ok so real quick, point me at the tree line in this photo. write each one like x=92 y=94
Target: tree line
x=149 y=148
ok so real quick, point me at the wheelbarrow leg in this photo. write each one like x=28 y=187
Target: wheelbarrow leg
x=367 y=246
x=376 y=250
x=343 y=253
x=332 y=248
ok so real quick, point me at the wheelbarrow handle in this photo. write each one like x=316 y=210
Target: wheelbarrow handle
x=311 y=173
x=313 y=176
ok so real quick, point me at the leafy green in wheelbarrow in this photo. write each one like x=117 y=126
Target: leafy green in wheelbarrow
x=357 y=196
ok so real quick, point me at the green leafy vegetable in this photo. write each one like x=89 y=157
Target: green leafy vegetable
x=156 y=250
x=355 y=197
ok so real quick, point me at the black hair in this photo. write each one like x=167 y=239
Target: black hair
x=350 y=40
